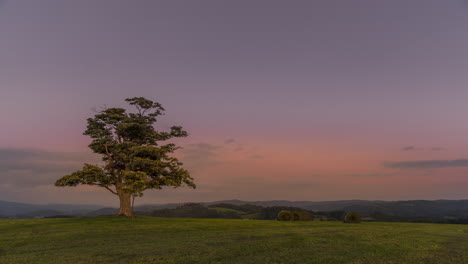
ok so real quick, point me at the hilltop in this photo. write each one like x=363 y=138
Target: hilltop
x=183 y=241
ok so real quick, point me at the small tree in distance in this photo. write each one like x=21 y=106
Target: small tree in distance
x=134 y=159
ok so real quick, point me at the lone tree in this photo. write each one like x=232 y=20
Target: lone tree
x=134 y=158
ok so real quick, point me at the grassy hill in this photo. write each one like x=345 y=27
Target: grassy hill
x=172 y=240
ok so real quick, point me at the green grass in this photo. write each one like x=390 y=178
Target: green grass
x=222 y=209
x=243 y=215
x=169 y=240
x=251 y=216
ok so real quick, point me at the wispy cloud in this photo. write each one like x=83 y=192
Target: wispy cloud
x=256 y=156
x=229 y=141
x=414 y=148
x=31 y=167
x=239 y=147
x=372 y=175
x=201 y=155
x=427 y=164
x=253 y=183
x=409 y=148
x=437 y=149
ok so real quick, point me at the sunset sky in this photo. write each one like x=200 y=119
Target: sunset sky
x=283 y=100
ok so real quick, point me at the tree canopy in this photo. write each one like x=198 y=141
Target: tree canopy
x=135 y=155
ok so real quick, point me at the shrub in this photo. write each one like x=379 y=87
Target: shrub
x=353 y=217
x=293 y=216
x=304 y=216
x=296 y=216
x=285 y=216
x=267 y=213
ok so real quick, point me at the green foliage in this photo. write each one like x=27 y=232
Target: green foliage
x=285 y=216
x=133 y=152
x=189 y=210
x=304 y=216
x=195 y=210
x=223 y=210
x=246 y=208
x=270 y=213
x=353 y=217
x=295 y=216
x=90 y=175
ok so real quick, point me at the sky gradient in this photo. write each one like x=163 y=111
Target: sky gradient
x=298 y=100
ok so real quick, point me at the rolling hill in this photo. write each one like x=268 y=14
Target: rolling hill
x=413 y=208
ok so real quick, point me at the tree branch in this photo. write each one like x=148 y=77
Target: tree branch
x=110 y=190
x=107 y=152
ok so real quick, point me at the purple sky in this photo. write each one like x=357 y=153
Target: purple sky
x=298 y=100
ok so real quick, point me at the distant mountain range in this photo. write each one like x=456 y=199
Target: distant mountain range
x=24 y=210
x=413 y=208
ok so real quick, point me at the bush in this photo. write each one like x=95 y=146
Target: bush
x=353 y=217
x=270 y=213
x=293 y=216
x=285 y=216
x=304 y=216
x=296 y=216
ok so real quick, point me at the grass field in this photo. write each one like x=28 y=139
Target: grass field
x=243 y=215
x=168 y=240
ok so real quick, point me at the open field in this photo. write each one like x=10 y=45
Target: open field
x=169 y=240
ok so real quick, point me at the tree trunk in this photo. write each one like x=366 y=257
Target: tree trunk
x=125 y=203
